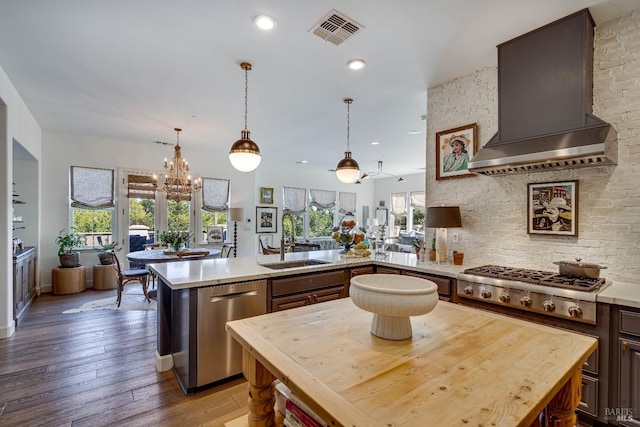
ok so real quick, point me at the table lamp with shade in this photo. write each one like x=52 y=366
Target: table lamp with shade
x=441 y=218
x=235 y=215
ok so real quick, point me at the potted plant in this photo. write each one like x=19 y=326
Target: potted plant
x=418 y=245
x=66 y=243
x=432 y=252
x=175 y=240
x=105 y=251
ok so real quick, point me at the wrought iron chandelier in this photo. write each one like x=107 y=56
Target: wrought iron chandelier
x=177 y=181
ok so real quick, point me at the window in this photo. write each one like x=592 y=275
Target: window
x=316 y=215
x=321 y=213
x=417 y=202
x=399 y=212
x=92 y=204
x=141 y=192
x=215 y=204
x=294 y=206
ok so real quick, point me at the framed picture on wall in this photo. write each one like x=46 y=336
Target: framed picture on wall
x=454 y=149
x=266 y=196
x=215 y=234
x=266 y=219
x=552 y=208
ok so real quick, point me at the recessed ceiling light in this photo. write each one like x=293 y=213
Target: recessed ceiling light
x=265 y=22
x=375 y=142
x=302 y=162
x=356 y=64
x=414 y=132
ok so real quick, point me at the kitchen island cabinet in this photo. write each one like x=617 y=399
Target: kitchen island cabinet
x=451 y=372
x=625 y=409
x=312 y=288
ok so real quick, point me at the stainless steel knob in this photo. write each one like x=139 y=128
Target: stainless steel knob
x=526 y=301
x=548 y=305
x=575 y=311
x=485 y=294
x=468 y=290
x=505 y=298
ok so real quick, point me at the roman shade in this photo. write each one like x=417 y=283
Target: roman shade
x=215 y=194
x=295 y=200
x=92 y=188
x=347 y=202
x=141 y=187
x=417 y=199
x=398 y=204
x=323 y=199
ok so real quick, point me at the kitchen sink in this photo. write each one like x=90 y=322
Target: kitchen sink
x=293 y=264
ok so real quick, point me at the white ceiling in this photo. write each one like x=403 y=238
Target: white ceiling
x=135 y=69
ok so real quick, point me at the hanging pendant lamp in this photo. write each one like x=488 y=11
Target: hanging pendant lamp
x=245 y=154
x=348 y=170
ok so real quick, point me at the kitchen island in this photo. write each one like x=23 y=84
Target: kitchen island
x=179 y=282
x=461 y=367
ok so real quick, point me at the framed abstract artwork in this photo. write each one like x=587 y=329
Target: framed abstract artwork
x=266 y=219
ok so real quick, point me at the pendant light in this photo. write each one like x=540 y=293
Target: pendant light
x=245 y=154
x=348 y=170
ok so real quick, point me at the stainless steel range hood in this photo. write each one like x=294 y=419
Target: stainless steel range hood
x=544 y=103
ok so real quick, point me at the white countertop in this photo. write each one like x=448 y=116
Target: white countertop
x=208 y=272
x=620 y=293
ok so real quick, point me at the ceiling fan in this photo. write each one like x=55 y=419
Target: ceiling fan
x=367 y=175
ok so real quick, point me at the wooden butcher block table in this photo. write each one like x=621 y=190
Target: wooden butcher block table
x=462 y=367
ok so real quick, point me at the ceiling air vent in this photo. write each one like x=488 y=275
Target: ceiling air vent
x=336 y=28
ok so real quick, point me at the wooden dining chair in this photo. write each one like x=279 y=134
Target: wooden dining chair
x=138 y=275
x=226 y=250
x=266 y=249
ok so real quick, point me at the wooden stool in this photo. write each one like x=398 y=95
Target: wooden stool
x=105 y=277
x=68 y=280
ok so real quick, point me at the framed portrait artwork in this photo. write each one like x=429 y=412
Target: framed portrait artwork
x=552 y=208
x=266 y=219
x=215 y=234
x=454 y=149
x=266 y=196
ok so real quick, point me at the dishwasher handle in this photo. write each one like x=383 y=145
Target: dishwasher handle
x=233 y=296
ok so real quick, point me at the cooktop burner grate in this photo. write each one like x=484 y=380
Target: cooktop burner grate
x=537 y=277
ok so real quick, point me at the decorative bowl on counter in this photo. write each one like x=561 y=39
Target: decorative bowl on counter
x=392 y=299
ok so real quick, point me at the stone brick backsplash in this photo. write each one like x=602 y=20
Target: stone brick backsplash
x=494 y=209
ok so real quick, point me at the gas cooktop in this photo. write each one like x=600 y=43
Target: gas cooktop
x=537 y=277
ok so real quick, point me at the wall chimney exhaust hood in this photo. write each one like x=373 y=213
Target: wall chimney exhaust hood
x=545 y=98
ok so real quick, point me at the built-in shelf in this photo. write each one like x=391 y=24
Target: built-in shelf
x=19 y=228
x=19 y=202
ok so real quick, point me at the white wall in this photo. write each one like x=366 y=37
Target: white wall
x=16 y=123
x=494 y=208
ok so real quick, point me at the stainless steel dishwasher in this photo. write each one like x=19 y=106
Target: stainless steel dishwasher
x=218 y=355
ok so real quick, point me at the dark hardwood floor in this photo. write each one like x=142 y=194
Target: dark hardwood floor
x=97 y=368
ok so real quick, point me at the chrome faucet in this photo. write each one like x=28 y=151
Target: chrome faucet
x=282 y=245
x=282 y=237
